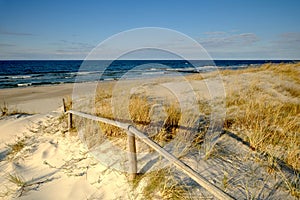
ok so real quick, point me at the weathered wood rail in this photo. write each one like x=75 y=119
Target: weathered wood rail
x=132 y=132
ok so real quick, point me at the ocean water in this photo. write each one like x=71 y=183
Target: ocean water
x=25 y=73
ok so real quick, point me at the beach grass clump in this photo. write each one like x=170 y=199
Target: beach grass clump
x=4 y=109
x=104 y=92
x=16 y=147
x=170 y=125
x=67 y=103
x=23 y=185
x=173 y=116
x=17 y=179
x=289 y=89
x=204 y=107
x=139 y=109
x=268 y=123
x=21 y=148
x=7 y=110
x=284 y=70
x=250 y=69
x=104 y=109
x=266 y=113
x=161 y=184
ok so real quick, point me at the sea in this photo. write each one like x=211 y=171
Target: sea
x=29 y=73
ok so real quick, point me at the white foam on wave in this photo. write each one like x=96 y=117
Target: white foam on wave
x=86 y=73
x=24 y=84
x=152 y=73
x=21 y=77
x=206 y=68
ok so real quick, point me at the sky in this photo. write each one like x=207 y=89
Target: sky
x=227 y=29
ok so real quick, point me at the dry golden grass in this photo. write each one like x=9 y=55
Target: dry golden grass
x=266 y=113
x=104 y=91
x=67 y=103
x=251 y=69
x=170 y=124
x=291 y=71
x=139 y=109
x=161 y=184
x=139 y=112
x=104 y=109
x=6 y=110
x=283 y=70
x=23 y=186
x=202 y=76
x=16 y=147
x=270 y=124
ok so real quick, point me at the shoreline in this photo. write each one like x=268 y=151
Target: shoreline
x=39 y=99
x=27 y=99
x=59 y=72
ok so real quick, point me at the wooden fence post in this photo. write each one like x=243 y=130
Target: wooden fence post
x=70 y=124
x=64 y=105
x=132 y=156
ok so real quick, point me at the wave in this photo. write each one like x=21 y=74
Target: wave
x=183 y=70
x=153 y=73
x=24 y=84
x=21 y=77
x=85 y=73
x=30 y=73
x=207 y=68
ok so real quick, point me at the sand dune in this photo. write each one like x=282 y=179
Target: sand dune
x=41 y=159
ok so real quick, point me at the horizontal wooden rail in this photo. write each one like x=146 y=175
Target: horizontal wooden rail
x=214 y=190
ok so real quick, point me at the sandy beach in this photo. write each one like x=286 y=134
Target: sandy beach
x=41 y=99
x=41 y=159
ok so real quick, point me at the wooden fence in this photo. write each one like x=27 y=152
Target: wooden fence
x=132 y=132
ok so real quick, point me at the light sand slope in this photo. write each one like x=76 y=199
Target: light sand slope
x=55 y=165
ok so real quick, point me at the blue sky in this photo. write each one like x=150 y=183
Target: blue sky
x=227 y=29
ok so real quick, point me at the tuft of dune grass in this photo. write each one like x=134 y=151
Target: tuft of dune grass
x=161 y=184
x=139 y=109
x=139 y=115
x=170 y=124
x=269 y=124
x=266 y=113
x=7 y=110
x=284 y=70
x=24 y=186
x=67 y=103
x=16 y=147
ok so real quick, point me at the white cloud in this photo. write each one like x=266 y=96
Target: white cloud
x=7 y=45
x=70 y=49
x=287 y=39
x=5 y=32
x=214 y=33
x=217 y=41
